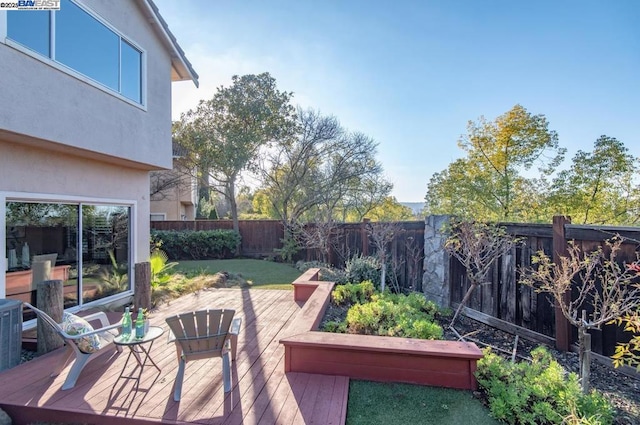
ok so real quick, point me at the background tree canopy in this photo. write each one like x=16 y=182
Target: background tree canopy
x=511 y=172
x=307 y=166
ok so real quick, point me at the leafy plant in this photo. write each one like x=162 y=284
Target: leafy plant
x=160 y=268
x=335 y=326
x=290 y=248
x=361 y=268
x=628 y=353
x=116 y=275
x=352 y=293
x=539 y=392
x=401 y=315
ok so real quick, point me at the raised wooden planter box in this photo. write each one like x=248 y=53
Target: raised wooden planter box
x=377 y=358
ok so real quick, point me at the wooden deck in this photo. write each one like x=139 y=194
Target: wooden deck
x=262 y=392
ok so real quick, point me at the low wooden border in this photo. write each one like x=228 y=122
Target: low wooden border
x=448 y=364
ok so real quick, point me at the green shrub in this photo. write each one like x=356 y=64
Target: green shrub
x=335 y=327
x=394 y=315
x=361 y=268
x=199 y=245
x=539 y=392
x=352 y=293
x=290 y=247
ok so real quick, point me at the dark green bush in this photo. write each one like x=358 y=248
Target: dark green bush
x=539 y=392
x=290 y=247
x=199 y=245
x=361 y=268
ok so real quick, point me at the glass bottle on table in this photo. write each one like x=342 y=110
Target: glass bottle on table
x=140 y=324
x=126 y=324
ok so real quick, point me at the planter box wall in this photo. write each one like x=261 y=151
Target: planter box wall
x=448 y=364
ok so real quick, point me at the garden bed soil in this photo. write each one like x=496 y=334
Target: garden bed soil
x=622 y=390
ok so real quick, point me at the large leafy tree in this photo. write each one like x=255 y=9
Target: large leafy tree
x=487 y=183
x=323 y=169
x=224 y=135
x=600 y=185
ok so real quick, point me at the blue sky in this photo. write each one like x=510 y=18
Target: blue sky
x=411 y=74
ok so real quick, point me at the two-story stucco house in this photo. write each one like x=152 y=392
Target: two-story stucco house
x=85 y=115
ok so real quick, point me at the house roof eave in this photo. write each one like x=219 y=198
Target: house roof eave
x=182 y=70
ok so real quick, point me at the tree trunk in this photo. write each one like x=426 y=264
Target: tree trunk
x=234 y=213
x=584 y=339
x=142 y=290
x=585 y=363
x=51 y=301
x=462 y=303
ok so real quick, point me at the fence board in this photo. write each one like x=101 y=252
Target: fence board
x=260 y=238
x=504 y=299
x=520 y=305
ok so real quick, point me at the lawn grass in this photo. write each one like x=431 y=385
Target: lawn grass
x=374 y=403
x=257 y=273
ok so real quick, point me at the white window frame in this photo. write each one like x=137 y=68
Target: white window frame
x=54 y=198
x=163 y=215
x=72 y=72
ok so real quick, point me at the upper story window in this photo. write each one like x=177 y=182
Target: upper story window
x=75 y=38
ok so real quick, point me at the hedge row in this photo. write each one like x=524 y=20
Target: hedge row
x=196 y=245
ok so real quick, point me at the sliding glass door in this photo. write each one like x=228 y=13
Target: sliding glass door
x=87 y=246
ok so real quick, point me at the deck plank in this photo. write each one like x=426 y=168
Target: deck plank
x=261 y=393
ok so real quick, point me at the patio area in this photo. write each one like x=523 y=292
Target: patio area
x=262 y=393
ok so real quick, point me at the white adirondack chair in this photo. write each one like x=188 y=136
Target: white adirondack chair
x=106 y=333
x=204 y=334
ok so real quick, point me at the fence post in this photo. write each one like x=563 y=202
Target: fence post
x=364 y=237
x=563 y=327
x=436 y=284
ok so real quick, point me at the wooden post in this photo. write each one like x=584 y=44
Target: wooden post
x=364 y=236
x=142 y=290
x=51 y=301
x=563 y=327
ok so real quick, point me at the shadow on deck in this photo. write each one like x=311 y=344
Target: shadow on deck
x=262 y=392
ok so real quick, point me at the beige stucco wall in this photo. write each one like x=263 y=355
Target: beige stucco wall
x=49 y=105
x=55 y=176
x=174 y=210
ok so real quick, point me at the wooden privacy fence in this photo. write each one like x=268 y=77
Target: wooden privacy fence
x=262 y=238
x=404 y=253
x=506 y=299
